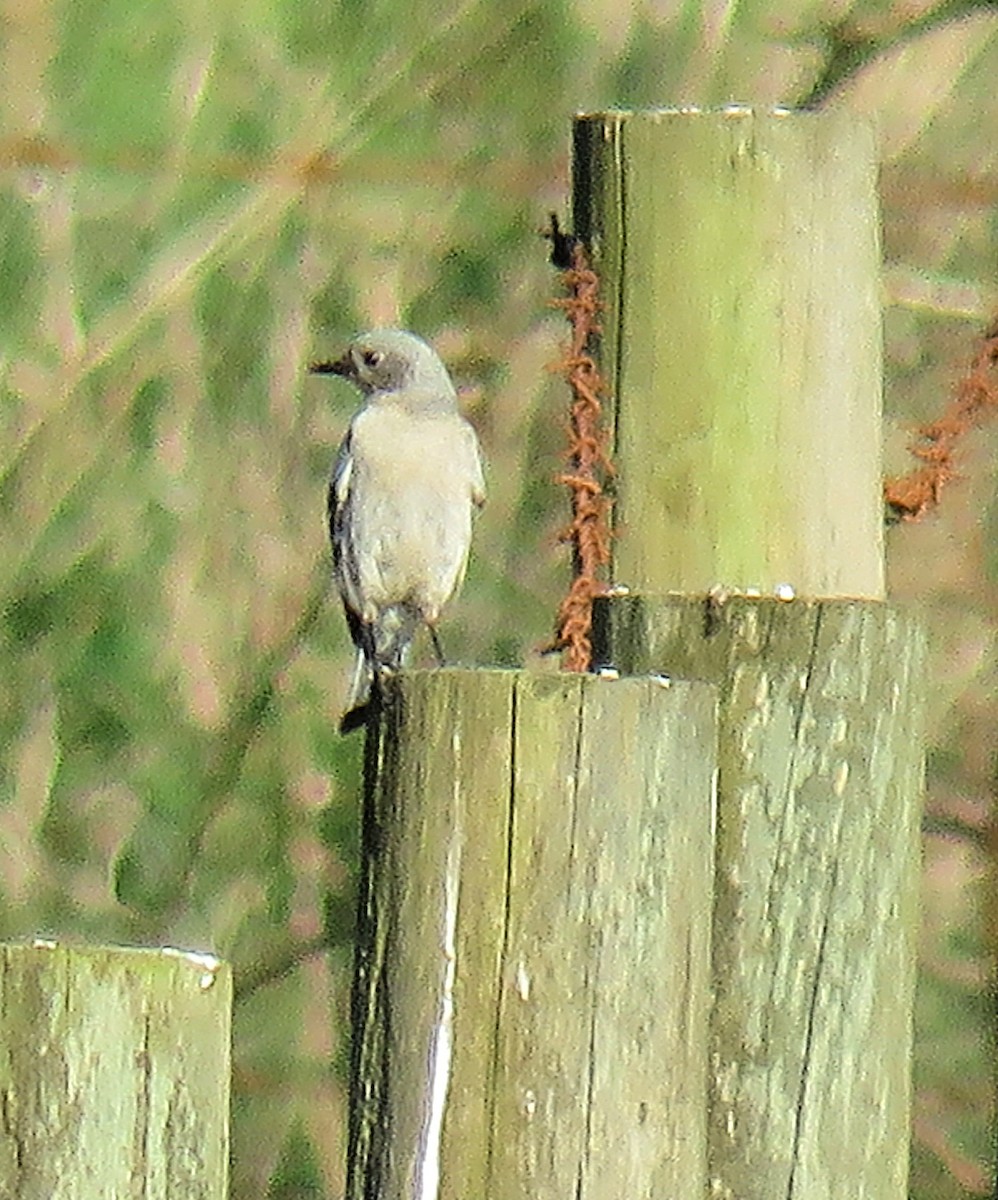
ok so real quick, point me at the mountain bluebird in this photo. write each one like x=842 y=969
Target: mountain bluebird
x=405 y=480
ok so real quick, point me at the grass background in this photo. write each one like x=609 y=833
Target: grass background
x=197 y=199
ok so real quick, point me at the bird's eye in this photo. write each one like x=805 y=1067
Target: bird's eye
x=372 y=358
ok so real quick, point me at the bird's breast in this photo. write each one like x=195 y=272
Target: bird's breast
x=410 y=506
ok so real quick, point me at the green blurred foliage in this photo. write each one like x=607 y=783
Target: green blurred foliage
x=298 y=1175
x=199 y=199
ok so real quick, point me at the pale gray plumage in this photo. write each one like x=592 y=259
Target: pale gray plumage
x=406 y=478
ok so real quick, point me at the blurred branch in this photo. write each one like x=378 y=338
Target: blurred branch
x=927 y=1127
x=907 y=188
x=924 y=291
x=847 y=50
x=279 y=966
x=970 y=975
x=955 y=830
x=155 y=882
x=337 y=933
x=250 y=707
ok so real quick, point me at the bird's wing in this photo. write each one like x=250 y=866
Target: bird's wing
x=339 y=492
x=476 y=473
x=341 y=534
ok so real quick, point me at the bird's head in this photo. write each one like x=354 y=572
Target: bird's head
x=389 y=360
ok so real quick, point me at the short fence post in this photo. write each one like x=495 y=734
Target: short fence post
x=114 y=1073
x=532 y=997
x=738 y=262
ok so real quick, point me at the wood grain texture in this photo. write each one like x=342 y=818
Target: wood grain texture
x=114 y=1074
x=739 y=264
x=538 y=896
x=819 y=800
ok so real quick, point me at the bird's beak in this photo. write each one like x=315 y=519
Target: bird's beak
x=342 y=366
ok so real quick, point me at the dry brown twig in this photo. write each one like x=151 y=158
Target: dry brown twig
x=909 y=497
x=589 y=463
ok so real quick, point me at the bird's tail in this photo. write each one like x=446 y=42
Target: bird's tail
x=359 y=695
x=392 y=635
x=360 y=682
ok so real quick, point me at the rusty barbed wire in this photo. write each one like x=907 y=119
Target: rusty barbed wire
x=35 y=152
x=589 y=462
x=909 y=497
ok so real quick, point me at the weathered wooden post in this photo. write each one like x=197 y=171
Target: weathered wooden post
x=532 y=991
x=739 y=262
x=114 y=1073
x=738 y=257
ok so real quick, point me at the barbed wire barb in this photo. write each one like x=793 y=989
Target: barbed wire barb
x=909 y=497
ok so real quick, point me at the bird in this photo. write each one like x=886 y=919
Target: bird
x=405 y=482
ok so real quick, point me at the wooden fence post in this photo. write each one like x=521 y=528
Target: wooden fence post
x=532 y=991
x=816 y=891
x=737 y=254
x=114 y=1073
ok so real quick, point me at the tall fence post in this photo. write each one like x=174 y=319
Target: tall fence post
x=738 y=261
x=738 y=255
x=532 y=990
x=114 y=1073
